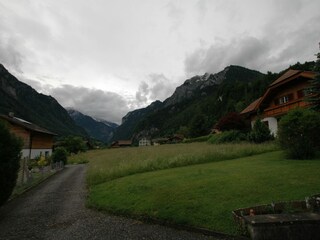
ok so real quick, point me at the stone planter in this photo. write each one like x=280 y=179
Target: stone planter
x=284 y=220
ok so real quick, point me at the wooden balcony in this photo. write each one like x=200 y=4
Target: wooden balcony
x=284 y=108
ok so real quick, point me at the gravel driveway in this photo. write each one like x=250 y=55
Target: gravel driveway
x=55 y=210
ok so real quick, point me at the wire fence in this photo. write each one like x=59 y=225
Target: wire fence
x=27 y=172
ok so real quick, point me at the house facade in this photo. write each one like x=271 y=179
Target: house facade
x=144 y=142
x=37 y=141
x=287 y=92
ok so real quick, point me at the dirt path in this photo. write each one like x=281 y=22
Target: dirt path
x=55 y=210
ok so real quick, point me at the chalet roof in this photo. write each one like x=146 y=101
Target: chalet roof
x=251 y=107
x=124 y=142
x=27 y=125
x=292 y=74
x=286 y=77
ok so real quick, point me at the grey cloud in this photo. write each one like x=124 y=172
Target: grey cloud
x=9 y=55
x=247 y=52
x=159 y=88
x=260 y=54
x=97 y=103
x=142 y=93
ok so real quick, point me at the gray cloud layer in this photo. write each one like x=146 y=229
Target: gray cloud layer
x=158 y=88
x=139 y=51
x=285 y=39
x=97 y=103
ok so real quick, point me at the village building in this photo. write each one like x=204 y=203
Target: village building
x=159 y=141
x=144 y=142
x=121 y=143
x=285 y=93
x=37 y=141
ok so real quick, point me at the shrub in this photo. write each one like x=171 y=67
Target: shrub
x=60 y=154
x=10 y=153
x=231 y=121
x=260 y=133
x=299 y=133
x=198 y=139
x=42 y=161
x=74 y=144
x=227 y=136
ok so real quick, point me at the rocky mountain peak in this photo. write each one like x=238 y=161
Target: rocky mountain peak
x=192 y=85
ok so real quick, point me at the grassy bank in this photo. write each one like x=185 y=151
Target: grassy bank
x=109 y=164
x=204 y=195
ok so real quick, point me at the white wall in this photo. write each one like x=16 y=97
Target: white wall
x=272 y=123
x=35 y=152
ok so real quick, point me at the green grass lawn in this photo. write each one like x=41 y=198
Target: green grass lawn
x=109 y=164
x=200 y=195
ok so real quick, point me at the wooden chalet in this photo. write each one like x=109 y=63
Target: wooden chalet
x=37 y=141
x=286 y=93
x=121 y=143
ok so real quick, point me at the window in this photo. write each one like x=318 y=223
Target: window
x=284 y=99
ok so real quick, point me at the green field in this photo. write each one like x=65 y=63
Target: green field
x=110 y=164
x=201 y=195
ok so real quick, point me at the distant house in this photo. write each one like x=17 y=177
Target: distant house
x=176 y=138
x=121 y=143
x=159 y=141
x=286 y=93
x=37 y=141
x=144 y=142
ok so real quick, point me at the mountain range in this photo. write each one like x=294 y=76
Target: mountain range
x=45 y=111
x=199 y=103
x=98 y=129
x=192 y=110
x=40 y=109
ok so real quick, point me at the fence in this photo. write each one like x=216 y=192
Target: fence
x=27 y=173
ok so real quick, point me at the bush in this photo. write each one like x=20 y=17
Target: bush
x=60 y=154
x=299 y=133
x=10 y=153
x=260 y=133
x=198 y=139
x=74 y=144
x=227 y=137
x=231 y=121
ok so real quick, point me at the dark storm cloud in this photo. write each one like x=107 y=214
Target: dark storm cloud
x=97 y=103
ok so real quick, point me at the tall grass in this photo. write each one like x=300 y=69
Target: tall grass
x=204 y=195
x=105 y=165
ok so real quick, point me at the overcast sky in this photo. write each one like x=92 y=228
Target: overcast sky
x=106 y=57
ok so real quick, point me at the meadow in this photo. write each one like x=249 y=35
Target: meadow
x=195 y=184
x=109 y=164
